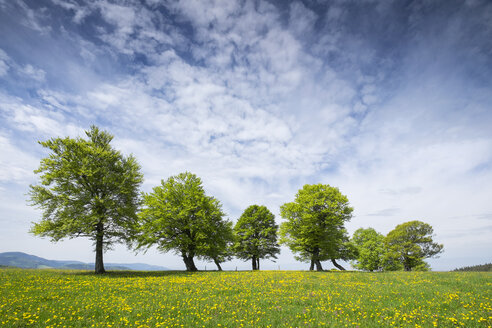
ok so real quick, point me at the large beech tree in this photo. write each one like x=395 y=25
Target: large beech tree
x=314 y=226
x=256 y=235
x=87 y=189
x=178 y=216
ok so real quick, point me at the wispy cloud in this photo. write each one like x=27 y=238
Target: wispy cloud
x=385 y=212
x=4 y=66
x=16 y=165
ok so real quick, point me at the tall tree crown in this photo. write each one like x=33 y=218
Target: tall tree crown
x=256 y=234
x=314 y=226
x=84 y=182
x=178 y=216
x=86 y=189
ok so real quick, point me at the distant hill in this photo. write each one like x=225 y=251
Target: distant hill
x=481 y=267
x=27 y=261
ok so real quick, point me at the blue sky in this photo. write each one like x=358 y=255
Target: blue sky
x=388 y=100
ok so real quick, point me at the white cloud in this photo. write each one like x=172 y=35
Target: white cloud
x=16 y=165
x=33 y=73
x=80 y=11
x=136 y=29
x=4 y=66
x=301 y=19
x=25 y=117
x=34 y=19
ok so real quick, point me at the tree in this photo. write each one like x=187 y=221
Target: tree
x=178 y=216
x=370 y=246
x=256 y=235
x=314 y=229
x=88 y=189
x=408 y=245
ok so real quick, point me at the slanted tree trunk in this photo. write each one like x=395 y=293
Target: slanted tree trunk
x=217 y=263
x=311 y=266
x=254 y=262
x=99 y=266
x=337 y=265
x=189 y=262
x=318 y=265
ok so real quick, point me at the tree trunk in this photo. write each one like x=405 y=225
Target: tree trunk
x=99 y=266
x=192 y=264
x=337 y=265
x=315 y=259
x=217 y=263
x=253 y=262
x=188 y=260
x=406 y=264
x=311 y=267
x=258 y=263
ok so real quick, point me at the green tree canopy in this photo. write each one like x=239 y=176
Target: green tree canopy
x=87 y=189
x=408 y=245
x=370 y=246
x=256 y=235
x=314 y=229
x=178 y=216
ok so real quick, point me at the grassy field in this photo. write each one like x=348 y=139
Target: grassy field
x=45 y=298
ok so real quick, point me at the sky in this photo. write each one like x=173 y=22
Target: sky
x=390 y=101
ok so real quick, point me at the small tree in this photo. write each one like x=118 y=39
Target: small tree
x=256 y=235
x=178 y=216
x=88 y=189
x=314 y=229
x=408 y=245
x=370 y=246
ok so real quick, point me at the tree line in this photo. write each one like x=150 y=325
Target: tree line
x=487 y=267
x=89 y=189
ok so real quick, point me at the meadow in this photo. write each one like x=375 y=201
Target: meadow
x=49 y=298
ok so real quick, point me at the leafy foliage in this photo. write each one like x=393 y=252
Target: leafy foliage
x=87 y=189
x=219 y=250
x=256 y=235
x=408 y=245
x=178 y=216
x=314 y=229
x=370 y=246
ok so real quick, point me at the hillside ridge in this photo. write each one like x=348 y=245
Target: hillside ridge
x=29 y=261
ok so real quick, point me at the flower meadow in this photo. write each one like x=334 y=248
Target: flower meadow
x=51 y=298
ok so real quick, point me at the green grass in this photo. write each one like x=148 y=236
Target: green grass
x=49 y=298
